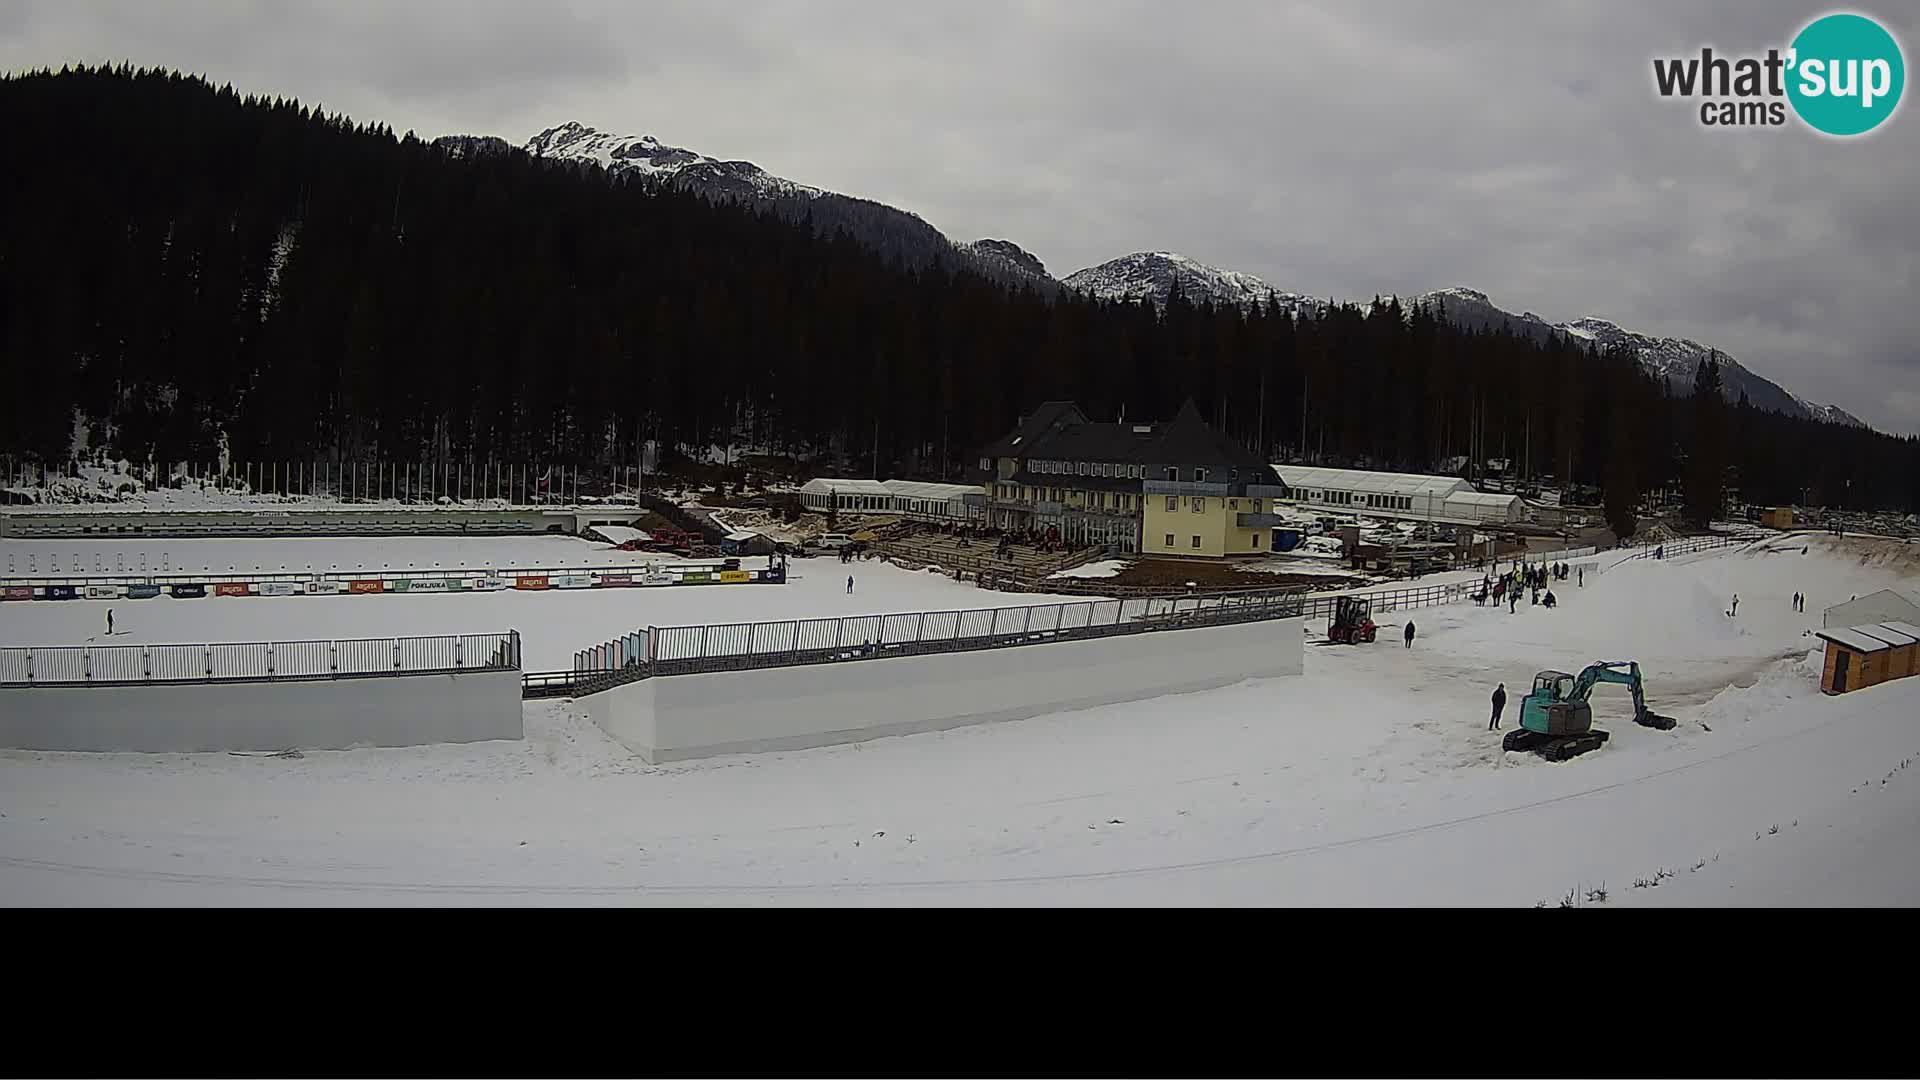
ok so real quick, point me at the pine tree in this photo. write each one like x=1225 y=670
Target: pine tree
x=1705 y=481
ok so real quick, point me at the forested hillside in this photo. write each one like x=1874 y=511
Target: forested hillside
x=180 y=263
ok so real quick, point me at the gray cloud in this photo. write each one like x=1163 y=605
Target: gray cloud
x=1338 y=149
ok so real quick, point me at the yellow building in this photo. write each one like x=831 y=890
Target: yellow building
x=1058 y=473
x=1208 y=521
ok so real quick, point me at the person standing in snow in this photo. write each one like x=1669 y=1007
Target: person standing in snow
x=1499 y=703
x=109 y=622
x=1513 y=601
x=849 y=584
x=1581 y=573
x=1409 y=634
x=1735 y=610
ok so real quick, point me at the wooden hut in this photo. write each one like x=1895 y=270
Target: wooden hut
x=1855 y=660
x=1905 y=640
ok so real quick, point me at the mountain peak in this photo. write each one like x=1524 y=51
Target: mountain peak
x=1010 y=254
x=645 y=155
x=1463 y=293
x=1151 y=276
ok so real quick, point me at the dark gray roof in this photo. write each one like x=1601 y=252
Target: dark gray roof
x=1058 y=430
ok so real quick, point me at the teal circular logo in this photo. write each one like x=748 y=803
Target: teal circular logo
x=1845 y=74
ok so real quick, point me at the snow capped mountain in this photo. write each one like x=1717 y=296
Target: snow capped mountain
x=1012 y=256
x=1150 y=275
x=1672 y=359
x=1143 y=275
x=644 y=155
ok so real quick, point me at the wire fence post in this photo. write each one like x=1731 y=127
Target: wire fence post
x=146 y=663
x=269 y=657
x=396 y=654
x=209 y=658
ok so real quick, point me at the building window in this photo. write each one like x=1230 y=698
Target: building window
x=1173 y=503
x=1196 y=541
x=1233 y=504
x=1256 y=541
x=986 y=464
x=1255 y=504
x=1200 y=476
x=1173 y=473
x=1169 y=542
x=1083 y=468
x=1199 y=505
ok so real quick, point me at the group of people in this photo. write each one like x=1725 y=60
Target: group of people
x=1508 y=586
x=1047 y=541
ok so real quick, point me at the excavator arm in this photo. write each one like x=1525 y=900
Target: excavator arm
x=1626 y=673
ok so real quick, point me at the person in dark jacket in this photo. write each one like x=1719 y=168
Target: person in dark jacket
x=849 y=584
x=109 y=622
x=1499 y=703
x=1549 y=601
x=1409 y=633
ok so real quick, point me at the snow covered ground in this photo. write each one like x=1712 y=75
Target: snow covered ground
x=553 y=623
x=300 y=554
x=1370 y=780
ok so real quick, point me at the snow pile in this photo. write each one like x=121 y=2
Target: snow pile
x=1780 y=684
x=1101 y=569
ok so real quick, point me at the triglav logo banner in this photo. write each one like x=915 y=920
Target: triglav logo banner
x=1842 y=75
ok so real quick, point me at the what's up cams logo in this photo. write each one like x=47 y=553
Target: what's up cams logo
x=1842 y=75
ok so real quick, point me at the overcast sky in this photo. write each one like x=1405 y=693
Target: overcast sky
x=1337 y=148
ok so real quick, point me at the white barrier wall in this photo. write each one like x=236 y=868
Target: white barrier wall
x=689 y=716
x=308 y=714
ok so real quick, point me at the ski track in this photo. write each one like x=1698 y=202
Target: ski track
x=1370 y=780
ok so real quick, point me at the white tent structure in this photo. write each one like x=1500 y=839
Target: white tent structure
x=1398 y=495
x=824 y=493
x=1880 y=607
x=943 y=501
x=911 y=497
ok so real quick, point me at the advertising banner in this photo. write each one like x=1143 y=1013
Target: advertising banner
x=367 y=586
x=421 y=585
x=277 y=588
x=608 y=581
x=697 y=578
x=530 y=582
x=489 y=583
x=60 y=592
x=734 y=577
x=231 y=588
x=102 y=592
x=182 y=592
x=18 y=592
x=657 y=577
x=573 y=581
x=324 y=588
x=142 y=592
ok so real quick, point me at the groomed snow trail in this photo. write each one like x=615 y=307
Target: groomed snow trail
x=1371 y=780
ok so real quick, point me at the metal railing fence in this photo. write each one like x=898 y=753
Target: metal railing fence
x=257 y=661
x=685 y=650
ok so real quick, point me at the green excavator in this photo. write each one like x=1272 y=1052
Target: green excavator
x=1557 y=723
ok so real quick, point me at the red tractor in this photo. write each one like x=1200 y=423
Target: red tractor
x=1352 y=622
